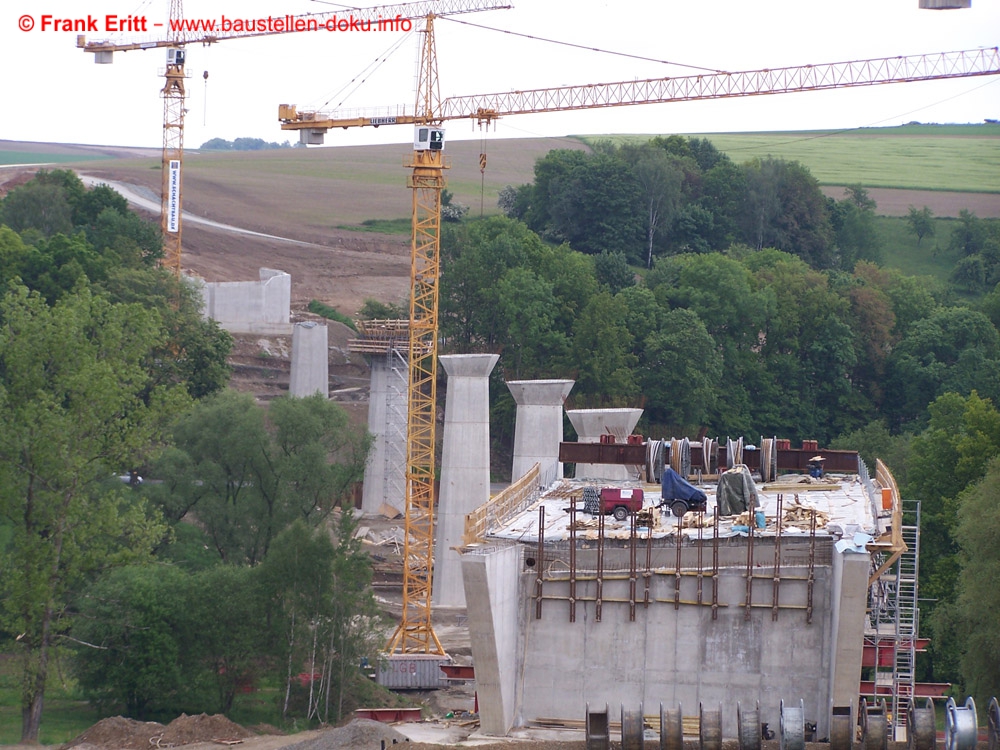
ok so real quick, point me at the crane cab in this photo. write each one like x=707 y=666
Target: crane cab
x=428 y=138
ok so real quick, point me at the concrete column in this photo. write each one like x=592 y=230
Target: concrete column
x=848 y=604
x=491 y=590
x=538 y=428
x=465 y=466
x=310 y=360
x=590 y=424
x=385 y=471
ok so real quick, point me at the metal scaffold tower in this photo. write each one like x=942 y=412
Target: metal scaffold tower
x=907 y=616
x=894 y=623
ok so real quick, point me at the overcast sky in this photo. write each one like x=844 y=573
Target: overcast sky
x=55 y=92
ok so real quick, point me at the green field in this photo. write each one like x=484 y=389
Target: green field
x=10 y=158
x=964 y=158
x=929 y=258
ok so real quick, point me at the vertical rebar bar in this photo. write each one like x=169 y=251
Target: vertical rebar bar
x=572 y=560
x=749 y=602
x=776 y=579
x=701 y=537
x=677 y=568
x=631 y=567
x=812 y=568
x=600 y=567
x=715 y=568
x=648 y=575
x=539 y=563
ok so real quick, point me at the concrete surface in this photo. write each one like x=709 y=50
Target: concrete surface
x=385 y=470
x=538 y=427
x=251 y=306
x=465 y=466
x=310 y=360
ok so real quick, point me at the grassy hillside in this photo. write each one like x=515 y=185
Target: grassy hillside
x=931 y=157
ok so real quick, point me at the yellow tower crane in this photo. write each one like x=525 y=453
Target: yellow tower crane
x=415 y=633
x=173 y=90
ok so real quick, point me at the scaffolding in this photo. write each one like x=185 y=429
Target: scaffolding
x=894 y=622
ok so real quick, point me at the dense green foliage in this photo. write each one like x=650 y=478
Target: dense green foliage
x=271 y=469
x=77 y=402
x=107 y=364
x=675 y=195
x=170 y=641
x=742 y=342
x=242 y=144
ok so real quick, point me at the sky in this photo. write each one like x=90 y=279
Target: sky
x=55 y=92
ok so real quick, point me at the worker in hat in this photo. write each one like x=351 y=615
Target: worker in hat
x=816 y=467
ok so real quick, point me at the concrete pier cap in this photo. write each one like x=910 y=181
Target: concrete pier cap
x=590 y=424
x=538 y=427
x=465 y=466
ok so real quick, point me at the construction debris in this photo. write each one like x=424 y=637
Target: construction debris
x=800 y=515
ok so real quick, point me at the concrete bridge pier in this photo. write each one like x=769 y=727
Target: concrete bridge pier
x=465 y=467
x=590 y=424
x=538 y=428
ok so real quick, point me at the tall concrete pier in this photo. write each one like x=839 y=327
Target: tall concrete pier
x=385 y=472
x=310 y=360
x=465 y=466
x=538 y=428
x=590 y=424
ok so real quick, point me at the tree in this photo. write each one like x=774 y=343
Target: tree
x=37 y=206
x=788 y=211
x=601 y=349
x=75 y=406
x=952 y=350
x=297 y=461
x=132 y=630
x=853 y=220
x=679 y=372
x=660 y=181
x=953 y=452
x=920 y=222
x=589 y=201
x=613 y=271
x=970 y=235
x=228 y=606
x=323 y=611
x=977 y=604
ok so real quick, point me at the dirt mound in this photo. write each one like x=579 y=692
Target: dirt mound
x=187 y=729
x=359 y=733
x=119 y=733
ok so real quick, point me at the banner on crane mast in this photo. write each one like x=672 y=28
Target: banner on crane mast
x=174 y=196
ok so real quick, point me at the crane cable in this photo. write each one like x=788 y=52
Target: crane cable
x=367 y=72
x=581 y=46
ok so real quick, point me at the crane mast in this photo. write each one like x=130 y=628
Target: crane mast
x=171 y=192
x=415 y=632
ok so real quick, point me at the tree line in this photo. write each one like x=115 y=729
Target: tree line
x=170 y=596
